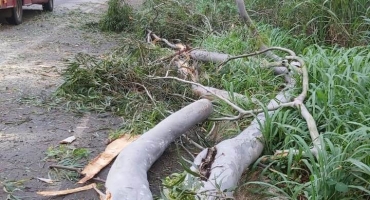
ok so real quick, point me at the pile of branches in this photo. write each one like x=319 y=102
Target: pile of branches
x=220 y=167
x=154 y=82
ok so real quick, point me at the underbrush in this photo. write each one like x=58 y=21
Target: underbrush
x=122 y=82
x=330 y=22
x=338 y=101
x=188 y=22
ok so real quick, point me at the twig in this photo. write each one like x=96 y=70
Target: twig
x=78 y=170
x=242 y=112
x=147 y=92
x=303 y=94
x=211 y=131
x=219 y=67
x=101 y=194
x=249 y=113
x=193 y=142
x=200 y=85
x=248 y=21
x=187 y=151
x=173 y=46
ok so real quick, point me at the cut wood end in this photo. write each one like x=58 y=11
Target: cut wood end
x=108 y=196
x=103 y=159
x=64 y=192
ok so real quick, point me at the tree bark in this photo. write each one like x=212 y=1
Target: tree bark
x=235 y=155
x=127 y=178
x=207 y=56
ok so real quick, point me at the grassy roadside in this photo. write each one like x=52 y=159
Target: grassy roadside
x=338 y=96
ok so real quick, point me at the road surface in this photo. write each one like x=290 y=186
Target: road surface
x=32 y=57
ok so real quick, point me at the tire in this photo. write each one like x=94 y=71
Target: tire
x=17 y=14
x=49 y=6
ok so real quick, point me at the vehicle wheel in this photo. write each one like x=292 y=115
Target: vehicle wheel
x=49 y=6
x=17 y=14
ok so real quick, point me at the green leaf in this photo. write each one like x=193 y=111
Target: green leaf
x=331 y=182
x=341 y=187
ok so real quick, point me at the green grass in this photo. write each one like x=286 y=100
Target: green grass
x=331 y=22
x=118 y=17
x=338 y=95
x=338 y=101
x=120 y=83
x=11 y=187
x=66 y=156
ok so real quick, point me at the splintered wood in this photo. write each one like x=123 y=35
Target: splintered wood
x=103 y=159
x=70 y=191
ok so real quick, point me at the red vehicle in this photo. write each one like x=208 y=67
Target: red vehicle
x=13 y=12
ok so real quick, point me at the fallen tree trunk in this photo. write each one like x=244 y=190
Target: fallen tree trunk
x=235 y=155
x=127 y=178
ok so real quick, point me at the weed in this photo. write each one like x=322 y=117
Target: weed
x=119 y=83
x=338 y=96
x=119 y=17
x=334 y=22
x=338 y=102
x=190 y=19
x=67 y=156
x=10 y=187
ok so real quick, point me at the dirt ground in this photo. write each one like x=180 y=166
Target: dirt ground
x=32 y=57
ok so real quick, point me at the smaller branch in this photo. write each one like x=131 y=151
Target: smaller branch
x=78 y=170
x=312 y=127
x=242 y=112
x=290 y=52
x=231 y=118
x=250 y=113
x=303 y=95
x=200 y=85
x=211 y=131
x=187 y=151
x=173 y=46
x=101 y=194
x=193 y=142
x=147 y=92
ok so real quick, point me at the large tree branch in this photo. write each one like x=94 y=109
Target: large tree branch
x=127 y=178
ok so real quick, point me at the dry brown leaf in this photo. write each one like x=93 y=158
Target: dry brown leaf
x=106 y=157
x=70 y=191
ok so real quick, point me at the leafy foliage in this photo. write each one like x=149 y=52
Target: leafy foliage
x=333 y=22
x=118 y=17
x=338 y=96
x=120 y=83
x=339 y=103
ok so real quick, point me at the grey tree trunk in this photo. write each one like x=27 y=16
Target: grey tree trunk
x=127 y=178
x=235 y=155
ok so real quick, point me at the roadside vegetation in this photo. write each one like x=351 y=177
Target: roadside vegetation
x=332 y=37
